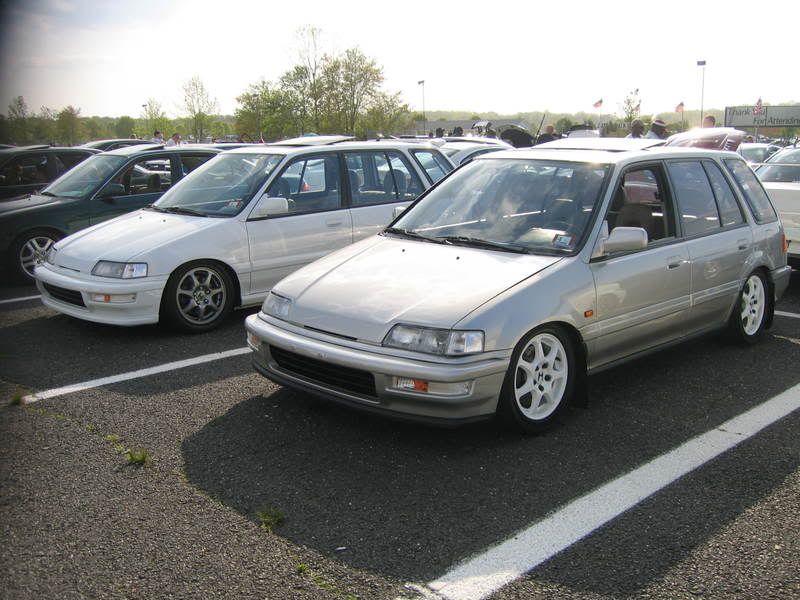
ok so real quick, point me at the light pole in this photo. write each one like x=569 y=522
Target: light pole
x=424 y=118
x=146 y=121
x=702 y=63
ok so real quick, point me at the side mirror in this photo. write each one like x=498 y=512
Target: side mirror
x=398 y=210
x=624 y=239
x=267 y=207
x=111 y=190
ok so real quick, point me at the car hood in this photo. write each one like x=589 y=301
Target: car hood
x=363 y=290
x=129 y=237
x=22 y=203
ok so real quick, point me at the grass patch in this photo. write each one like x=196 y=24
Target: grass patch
x=16 y=398
x=302 y=568
x=137 y=456
x=270 y=518
x=90 y=428
x=112 y=438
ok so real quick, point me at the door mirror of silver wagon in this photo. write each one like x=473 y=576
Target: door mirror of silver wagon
x=624 y=239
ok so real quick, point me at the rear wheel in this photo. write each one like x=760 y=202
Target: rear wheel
x=197 y=297
x=30 y=250
x=752 y=311
x=540 y=380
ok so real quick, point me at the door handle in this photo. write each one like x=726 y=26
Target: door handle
x=333 y=222
x=673 y=262
x=743 y=244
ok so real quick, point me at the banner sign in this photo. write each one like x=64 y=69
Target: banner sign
x=769 y=116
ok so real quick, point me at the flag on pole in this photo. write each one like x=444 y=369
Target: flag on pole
x=758 y=109
x=598 y=104
x=420 y=82
x=679 y=108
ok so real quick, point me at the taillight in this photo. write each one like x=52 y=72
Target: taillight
x=785 y=243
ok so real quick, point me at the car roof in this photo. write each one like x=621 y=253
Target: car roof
x=94 y=143
x=601 y=143
x=152 y=148
x=5 y=152
x=601 y=156
x=313 y=140
x=345 y=145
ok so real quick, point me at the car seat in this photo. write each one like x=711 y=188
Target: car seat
x=395 y=178
x=153 y=184
x=355 y=186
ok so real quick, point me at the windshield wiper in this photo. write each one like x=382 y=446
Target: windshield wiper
x=180 y=210
x=463 y=240
x=412 y=234
x=43 y=193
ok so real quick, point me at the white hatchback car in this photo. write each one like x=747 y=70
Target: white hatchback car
x=234 y=227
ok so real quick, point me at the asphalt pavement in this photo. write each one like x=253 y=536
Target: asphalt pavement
x=367 y=505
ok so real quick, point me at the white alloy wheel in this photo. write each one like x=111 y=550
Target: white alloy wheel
x=540 y=376
x=753 y=305
x=33 y=252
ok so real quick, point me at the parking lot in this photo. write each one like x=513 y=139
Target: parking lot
x=372 y=508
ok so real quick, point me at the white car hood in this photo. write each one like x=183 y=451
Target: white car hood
x=363 y=290
x=126 y=238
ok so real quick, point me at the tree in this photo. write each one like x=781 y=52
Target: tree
x=263 y=112
x=124 y=126
x=153 y=119
x=630 y=106
x=385 y=114
x=361 y=79
x=199 y=106
x=295 y=100
x=312 y=61
x=43 y=126
x=19 y=120
x=69 y=126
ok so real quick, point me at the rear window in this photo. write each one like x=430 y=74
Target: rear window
x=435 y=165
x=755 y=196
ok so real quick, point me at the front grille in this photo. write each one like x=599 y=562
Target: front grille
x=65 y=295
x=319 y=371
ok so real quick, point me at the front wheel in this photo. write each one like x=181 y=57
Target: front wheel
x=540 y=380
x=30 y=250
x=752 y=311
x=197 y=297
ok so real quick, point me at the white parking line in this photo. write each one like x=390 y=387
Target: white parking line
x=178 y=364
x=482 y=575
x=22 y=299
x=781 y=313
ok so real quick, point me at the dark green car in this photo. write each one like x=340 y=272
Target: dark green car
x=102 y=187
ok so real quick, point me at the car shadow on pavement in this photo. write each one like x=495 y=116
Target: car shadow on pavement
x=410 y=501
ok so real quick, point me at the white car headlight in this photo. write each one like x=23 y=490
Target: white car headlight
x=434 y=341
x=107 y=268
x=277 y=306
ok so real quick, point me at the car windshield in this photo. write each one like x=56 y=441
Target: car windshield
x=786 y=156
x=86 y=178
x=221 y=187
x=779 y=173
x=536 y=206
x=754 y=154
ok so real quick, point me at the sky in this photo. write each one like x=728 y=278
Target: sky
x=109 y=58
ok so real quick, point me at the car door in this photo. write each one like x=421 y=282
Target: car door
x=379 y=181
x=642 y=296
x=140 y=182
x=316 y=223
x=718 y=240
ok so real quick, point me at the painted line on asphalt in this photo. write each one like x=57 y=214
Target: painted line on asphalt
x=171 y=366
x=22 y=299
x=782 y=313
x=484 y=574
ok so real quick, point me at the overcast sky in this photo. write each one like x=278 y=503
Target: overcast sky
x=108 y=58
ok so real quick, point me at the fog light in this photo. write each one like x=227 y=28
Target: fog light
x=114 y=298
x=439 y=388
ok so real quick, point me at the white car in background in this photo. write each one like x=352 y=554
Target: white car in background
x=233 y=228
x=461 y=151
x=782 y=182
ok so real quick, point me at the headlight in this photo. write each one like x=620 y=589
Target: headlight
x=434 y=341
x=277 y=306
x=106 y=268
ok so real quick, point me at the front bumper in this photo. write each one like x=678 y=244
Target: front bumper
x=485 y=375
x=65 y=292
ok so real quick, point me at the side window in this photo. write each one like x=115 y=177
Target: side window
x=435 y=164
x=729 y=211
x=696 y=203
x=753 y=193
x=145 y=176
x=70 y=159
x=401 y=179
x=29 y=169
x=367 y=174
x=310 y=184
x=191 y=162
x=640 y=201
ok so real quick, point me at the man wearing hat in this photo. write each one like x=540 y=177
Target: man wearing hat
x=658 y=130
x=637 y=129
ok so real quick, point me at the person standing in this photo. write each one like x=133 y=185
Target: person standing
x=658 y=130
x=637 y=129
x=709 y=121
x=548 y=136
x=158 y=137
x=175 y=140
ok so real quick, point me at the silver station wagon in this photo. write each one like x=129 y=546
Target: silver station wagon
x=504 y=286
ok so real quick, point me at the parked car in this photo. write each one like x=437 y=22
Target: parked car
x=782 y=182
x=501 y=288
x=28 y=169
x=104 y=186
x=224 y=235
x=787 y=156
x=460 y=152
x=754 y=152
x=105 y=145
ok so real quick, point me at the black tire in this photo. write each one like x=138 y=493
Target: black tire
x=28 y=250
x=536 y=411
x=198 y=296
x=752 y=311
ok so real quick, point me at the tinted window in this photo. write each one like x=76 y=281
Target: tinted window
x=144 y=177
x=434 y=164
x=729 y=211
x=31 y=169
x=696 y=204
x=310 y=184
x=754 y=194
x=70 y=159
x=190 y=163
x=640 y=201
x=366 y=172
